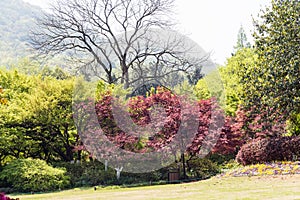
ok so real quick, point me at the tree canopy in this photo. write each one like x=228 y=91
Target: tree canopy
x=274 y=81
x=36 y=119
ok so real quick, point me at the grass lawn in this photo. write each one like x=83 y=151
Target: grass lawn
x=257 y=187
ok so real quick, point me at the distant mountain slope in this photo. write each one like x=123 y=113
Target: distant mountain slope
x=17 y=18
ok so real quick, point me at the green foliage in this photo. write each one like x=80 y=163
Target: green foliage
x=195 y=76
x=186 y=89
x=50 y=117
x=210 y=86
x=14 y=87
x=33 y=175
x=93 y=173
x=232 y=74
x=220 y=159
x=202 y=168
x=37 y=119
x=274 y=82
x=230 y=164
x=226 y=83
x=293 y=124
x=115 y=89
x=56 y=73
x=88 y=174
x=2 y=99
x=201 y=90
x=242 y=41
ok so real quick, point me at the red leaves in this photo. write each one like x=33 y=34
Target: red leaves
x=230 y=140
x=259 y=124
x=142 y=112
x=269 y=149
x=165 y=123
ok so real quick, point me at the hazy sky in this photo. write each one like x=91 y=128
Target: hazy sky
x=213 y=24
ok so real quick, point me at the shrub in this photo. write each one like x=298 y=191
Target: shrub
x=136 y=178
x=220 y=159
x=88 y=173
x=93 y=173
x=202 y=168
x=269 y=149
x=33 y=175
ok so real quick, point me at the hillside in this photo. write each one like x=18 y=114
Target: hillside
x=17 y=18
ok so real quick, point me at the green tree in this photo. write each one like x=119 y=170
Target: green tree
x=226 y=83
x=242 y=41
x=232 y=74
x=37 y=119
x=50 y=118
x=211 y=86
x=274 y=81
x=15 y=86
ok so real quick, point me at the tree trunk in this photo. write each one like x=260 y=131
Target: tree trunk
x=183 y=166
x=125 y=75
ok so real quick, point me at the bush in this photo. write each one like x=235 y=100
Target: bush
x=34 y=175
x=202 y=168
x=88 y=173
x=269 y=149
x=220 y=159
x=93 y=173
x=140 y=178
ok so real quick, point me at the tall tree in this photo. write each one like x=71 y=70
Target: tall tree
x=117 y=38
x=273 y=84
x=36 y=120
x=232 y=77
x=242 y=41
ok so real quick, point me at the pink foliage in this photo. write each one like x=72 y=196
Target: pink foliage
x=140 y=111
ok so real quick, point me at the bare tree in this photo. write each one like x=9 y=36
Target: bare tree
x=122 y=38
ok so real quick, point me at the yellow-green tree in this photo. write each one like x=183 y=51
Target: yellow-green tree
x=244 y=61
x=37 y=119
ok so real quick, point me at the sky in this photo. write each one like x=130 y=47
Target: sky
x=212 y=24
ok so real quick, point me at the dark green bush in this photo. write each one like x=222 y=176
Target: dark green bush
x=202 y=168
x=88 y=174
x=220 y=159
x=135 y=178
x=92 y=173
x=34 y=175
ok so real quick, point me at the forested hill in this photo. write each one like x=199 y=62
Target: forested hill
x=17 y=18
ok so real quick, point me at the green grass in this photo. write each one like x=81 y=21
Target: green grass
x=258 y=187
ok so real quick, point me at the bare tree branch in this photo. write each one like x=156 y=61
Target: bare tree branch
x=117 y=35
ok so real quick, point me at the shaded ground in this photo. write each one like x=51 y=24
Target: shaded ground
x=266 y=187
